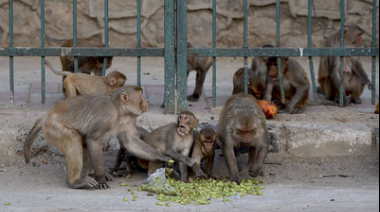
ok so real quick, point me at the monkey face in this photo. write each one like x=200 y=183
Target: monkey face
x=272 y=67
x=186 y=122
x=256 y=87
x=245 y=126
x=208 y=145
x=100 y=60
x=134 y=100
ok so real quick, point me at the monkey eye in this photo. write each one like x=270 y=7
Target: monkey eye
x=270 y=64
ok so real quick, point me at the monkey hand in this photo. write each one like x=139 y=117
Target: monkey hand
x=190 y=162
x=346 y=101
x=368 y=83
x=201 y=175
x=193 y=98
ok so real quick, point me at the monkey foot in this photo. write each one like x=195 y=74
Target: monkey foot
x=89 y=182
x=103 y=186
x=347 y=102
x=356 y=100
x=109 y=177
x=193 y=98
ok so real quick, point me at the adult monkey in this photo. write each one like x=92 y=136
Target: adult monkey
x=242 y=122
x=176 y=140
x=259 y=64
x=204 y=148
x=84 y=84
x=355 y=77
x=78 y=126
x=201 y=65
x=296 y=85
x=256 y=85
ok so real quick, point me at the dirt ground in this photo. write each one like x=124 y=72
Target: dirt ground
x=292 y=184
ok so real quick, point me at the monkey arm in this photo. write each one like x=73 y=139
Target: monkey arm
x=302 y=88
x=140 y=149
x=180 y=158
x=335 y=84
x=359 y=70
x=268 y=89
x=96 y=154
x=209 y=164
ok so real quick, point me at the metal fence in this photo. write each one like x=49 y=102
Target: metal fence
x=176 y=52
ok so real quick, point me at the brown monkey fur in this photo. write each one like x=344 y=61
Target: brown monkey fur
x=124 y=155
x=377 y=109
x=242 y=122
x=256 y=85
x=355 y=77
x=296 y=85
x=176 y=140
x=259 y=65
x=204 y=148
x=78 y=126
x=84 y=84
x=201 y=65
x=86 y=64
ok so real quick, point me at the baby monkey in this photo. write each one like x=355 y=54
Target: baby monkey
x=204 y=148
x=90 y=85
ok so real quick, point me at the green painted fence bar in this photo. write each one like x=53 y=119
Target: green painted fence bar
x=181 y=55
x=43 y=45
x=245 y=45
x=106 y=32
x=214 y=57
x=278 y=44
x=342 y=21
x=138 y=42
x=11 y=67
x=170 y=57
x=310 y=45
x=374 y=43
x=75 y=33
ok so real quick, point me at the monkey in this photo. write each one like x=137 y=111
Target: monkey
x=176 y=140
x=296 y=85
x=242 y=122
x=86 y=64
x=259 y=65
x=355 y=77
x=124 y=155
x=204 y=148
x=84 y=84
x=377 y=109
x=201 y=65
x=79 y=125
x=256 y=85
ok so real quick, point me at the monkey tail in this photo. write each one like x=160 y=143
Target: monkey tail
x=63 y=73
x=32 y=135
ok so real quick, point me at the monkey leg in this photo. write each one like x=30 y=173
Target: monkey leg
x=256 y=159
x=357 y=92
x=201 y=76
x=184 y=174
x=230 y=159
x=96 y=154
x=70 y=88
x=118 y=161
x=153 y=166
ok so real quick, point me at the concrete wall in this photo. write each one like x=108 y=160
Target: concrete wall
x=262 y=21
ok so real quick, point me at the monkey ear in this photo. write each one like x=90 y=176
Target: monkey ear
x=345 y=32
x=249 y=83
x=196 y=123
x=113 y=81
x=124 y=97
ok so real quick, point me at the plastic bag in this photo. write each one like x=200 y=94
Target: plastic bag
x=156 y=183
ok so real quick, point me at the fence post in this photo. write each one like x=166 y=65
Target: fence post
x=279 y=59
x=374 y=40
x=11 y=67
x=170 y=57
x=342 y=16
x=310 y=45
x=43 y=45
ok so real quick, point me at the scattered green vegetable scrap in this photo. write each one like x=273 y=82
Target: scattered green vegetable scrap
x=201 y=191
x=123 y=184
x=7 y=203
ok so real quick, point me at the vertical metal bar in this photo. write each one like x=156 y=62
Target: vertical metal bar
x=106 y=39
x=310 y=45
x=169 y=57
x=139 y=42
x=342 y=9
x=75 y=33
x=374 y=40
x=214 y=58
x=278 y=45
x=182 y=55
x=246 y=45
x=43 y=45
x=11 y=67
